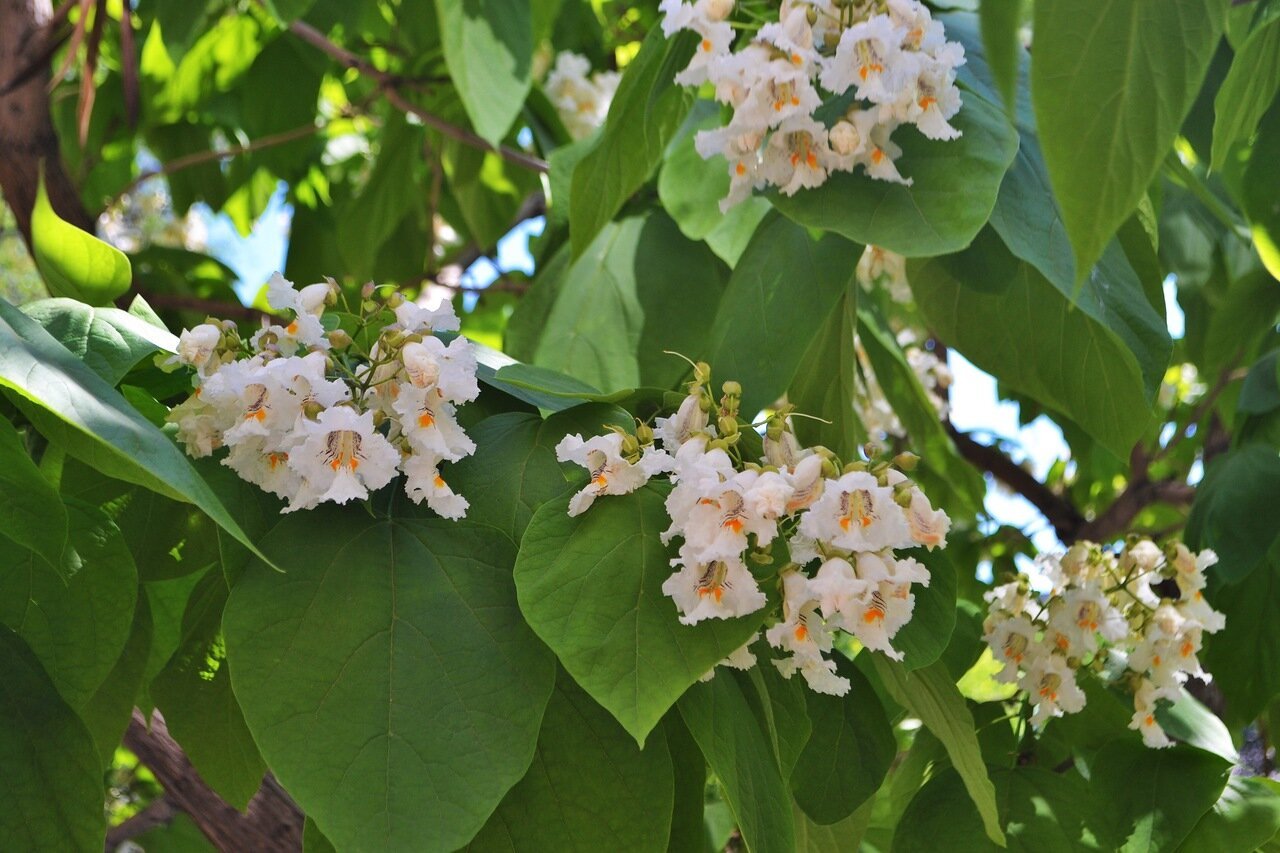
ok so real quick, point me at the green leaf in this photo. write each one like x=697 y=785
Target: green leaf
x=688 y=817
x=923 y=640
x=611 y=319
x=109 y=340
x=78 y=628
x=781 y=709
x=590 y=788
x=387 y=678
x=108 y=711
x=52 y=784
x=1000 y=20
x=488 y=46
x=487 y=189
x=368 y=221
x=1009 y=320
x=785 y=283
x=1252 y=607
x=1151 y=799
x=72 y=262
x=931 y=695
x=31 y=511
x=643 y=117
x=963 y=484
x=954 y=189
x=76 y=409
x=690 y=189
x=1259 y=201
x=591 y=588
x=1233 y=511
x=1246 y=816
x=721 y=721
x=1112 y=82
x=193 y=691
x=1248 y=91
x=1045 y=812
x=849 y=752
x=287 y=11
x=1189 y=721
x=514 y=469
x=825 y=384
x=845 y=836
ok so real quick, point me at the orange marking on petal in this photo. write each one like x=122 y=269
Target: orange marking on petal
x=862 y=72
x=439 y=482
x=844 y=522
x=292 y=328
x=1187 y=648
x=719 y=593
x=706 y=44
x=426 y=419
x=927 y=102
x=873 y=615
x=1150 y=720
x=600 y=481
x=812 y=160
x=801 y=633
x=1156 y=660
x=876 y=156
x=864 y=520
x=734 y=524
x=741 y=169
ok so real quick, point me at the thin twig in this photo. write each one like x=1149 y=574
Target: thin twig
x=187 y=161
x=128 y=65
x=389 y=85
x=210 y=307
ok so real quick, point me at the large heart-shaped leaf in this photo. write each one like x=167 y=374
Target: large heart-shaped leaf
x=591 y=588
x=387 y=677
x=590 y=788
x=1112 y=82
x=74 y=407
x=75 y=263
x=52 y=781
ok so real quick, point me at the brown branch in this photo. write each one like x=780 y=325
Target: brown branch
x=187 y=161
x=1064 y=517
x=211 y=307
x=55 y=36
x=159 y=812
x=1116 y=520
x=272 y=823
x=389 y=84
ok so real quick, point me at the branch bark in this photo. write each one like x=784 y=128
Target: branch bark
x=271 y=824
x=27 y=136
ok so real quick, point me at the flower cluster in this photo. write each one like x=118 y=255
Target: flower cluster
x=890 y=54
x=870 y=402
x=581 y=98
x=311 y=416
x=841 y=526
x=1146 y=604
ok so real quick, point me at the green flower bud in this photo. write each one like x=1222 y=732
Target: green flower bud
x=644 y=434
x=630 y=445
x=338 y=339
x=728 y=426
x=731 y=388
x=367 y=291
x=395 y=300
x=312 y=409
x=906 y=461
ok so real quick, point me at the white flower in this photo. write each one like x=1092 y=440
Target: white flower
x=1051 y=684
x=428 y=421
x=819 y=673
x=721 y=589
x=196 y=346
x=412 y=317
x=837 y=587
x=857 y=514
x=807 y=484
x=581 y=100
x=265 y=466
x=341 y=458
x=866 y=58
x=1013 y=642
x=797 y=156
x=740 y=658
x=680 y=427
x=718 y=524
x=423 y=482
x=792 y=35
x=611 y=474
x=929 y=527
x=1144 y=715
x=1080 y=616
x=452 y=369
x=201 y=424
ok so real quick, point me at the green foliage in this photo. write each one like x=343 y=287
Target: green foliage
x=644 y=116
x=109 y=340
x=488 y=45
x=591 y=589
x=31 y=512
x=1112 y=83
x=941 y=211
x=75 y=264
x=589 y=788
x=1248 y=91
x=52 y=779
x=364 y=670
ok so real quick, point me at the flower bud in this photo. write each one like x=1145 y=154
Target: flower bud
x=644 y=434
x=338 y=339
x=731 y=388
x=395 y=300
x=630 y=445
x=312 y=409
x=368 y=306
x=379 y=417
x=702 y=373
x=906 y=461
x=718 y=10
x=829 y=469
x=728 y=426
x=367 y=291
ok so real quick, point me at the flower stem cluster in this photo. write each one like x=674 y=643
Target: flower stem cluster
x=312 y=412
x=734 y=516
x=1144 y=604
x=890 y=54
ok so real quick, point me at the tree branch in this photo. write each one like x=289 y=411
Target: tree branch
x=1064 y=517
x=158 y=813
x=389 y=84
x=211 y=307
x=271 y=824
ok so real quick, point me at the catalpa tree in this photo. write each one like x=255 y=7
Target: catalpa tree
x=584 y=478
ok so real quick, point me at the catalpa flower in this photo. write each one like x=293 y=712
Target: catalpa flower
x=340 y=458
x=720 y=589
x=423 y=481
x=858 y=514
x=611 y=474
